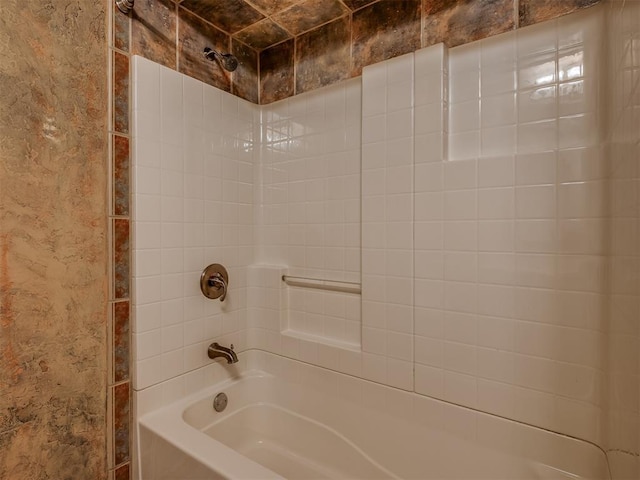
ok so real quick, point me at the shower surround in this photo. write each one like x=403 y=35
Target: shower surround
x=70 y=24
x=484 y=210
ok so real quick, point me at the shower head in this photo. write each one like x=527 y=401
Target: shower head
x=228 y=61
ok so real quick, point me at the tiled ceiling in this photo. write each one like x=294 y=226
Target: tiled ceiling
x=263 y=23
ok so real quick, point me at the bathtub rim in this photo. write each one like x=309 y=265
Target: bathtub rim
x=253 y=367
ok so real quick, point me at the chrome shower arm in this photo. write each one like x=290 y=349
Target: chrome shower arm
x=228 y=61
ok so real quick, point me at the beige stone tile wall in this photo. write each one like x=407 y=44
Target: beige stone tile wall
x=53 y=239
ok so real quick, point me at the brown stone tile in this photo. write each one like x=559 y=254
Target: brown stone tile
x=263 y=34
x=121 y=343
x=120 y=179
x=121 y=29
x=153 y=31
x=120 y=93
x=123 y=472
x=323 y=55
x=120 y=258
x=456 y=22
x=383 y=30
x=228 y=15
x=534 y=11
x=276 y=72
x=269 y=7
x=309 y=14
x=356 y=4
x=121 y=422
x=195 y=35
x=53 y=345
x=245 y=78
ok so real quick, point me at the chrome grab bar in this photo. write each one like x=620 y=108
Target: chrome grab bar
x=322 y=284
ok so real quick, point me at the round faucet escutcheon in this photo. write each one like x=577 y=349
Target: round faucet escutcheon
x=214 y=282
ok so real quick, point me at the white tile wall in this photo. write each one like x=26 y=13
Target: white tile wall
x=387 y=220
x=320 y=221
x=510 y=245
x=623 y=433
x=192 y=206
x=310 y=209
x=431 y=209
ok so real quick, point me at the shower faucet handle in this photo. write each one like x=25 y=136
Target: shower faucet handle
x=218 y=282
x=214 y=282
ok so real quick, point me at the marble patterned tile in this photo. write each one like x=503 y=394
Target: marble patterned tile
x=458 y=22
x=535 y=11
x=153 y=31
x=123 y=472
x=120 y=93
x=309 y=14
x=245 y=78
x=229 y=15
x=121 y=342
x=263 y=34
x=383 y=30
x=121 y=260
x=269 y=7
x=53 y=263
x=276 y=72
x=121 y=178
x=121 y=423
x=121 y=29
x=196 y=34
x=356 y=4
x=323 y=55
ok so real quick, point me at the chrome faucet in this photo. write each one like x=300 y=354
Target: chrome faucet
x=216 y=350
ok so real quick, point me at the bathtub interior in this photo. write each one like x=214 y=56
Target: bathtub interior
x=288 y=419
x=292 y=445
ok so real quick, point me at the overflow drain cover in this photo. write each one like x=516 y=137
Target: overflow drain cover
x=220 y=402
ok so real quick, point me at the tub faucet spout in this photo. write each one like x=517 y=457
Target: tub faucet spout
x=216 y=350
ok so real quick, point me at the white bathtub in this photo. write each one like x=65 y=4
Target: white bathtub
x=287 y=419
